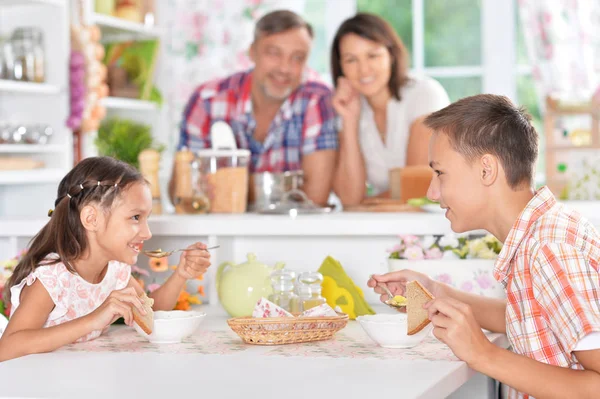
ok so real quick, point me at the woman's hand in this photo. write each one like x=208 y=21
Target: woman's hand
x=346 y=102
x=118 y=304
x=194 y=261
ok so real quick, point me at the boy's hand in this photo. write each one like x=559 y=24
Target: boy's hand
x=118 y=304
x=193 y=263
x=396 y=283
x=455 y=325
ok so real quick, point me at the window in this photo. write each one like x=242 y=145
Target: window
x=469 y=46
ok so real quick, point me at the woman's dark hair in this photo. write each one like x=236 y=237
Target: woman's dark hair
x=376 y=29
x=98 y=180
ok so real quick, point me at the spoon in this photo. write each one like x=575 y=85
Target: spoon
x=390 y=301
x=159 y=253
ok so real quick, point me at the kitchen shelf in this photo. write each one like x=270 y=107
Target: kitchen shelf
x=31 y=148
x=128 y=104
x=115 y=29
x=33 y=176
x=55 y=3
x=28 y=87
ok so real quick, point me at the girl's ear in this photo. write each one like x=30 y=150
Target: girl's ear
x=89 y=217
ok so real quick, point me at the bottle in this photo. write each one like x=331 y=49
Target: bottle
x=149 y=162
x=309 y=291
x=182 y=196
x=283 y=294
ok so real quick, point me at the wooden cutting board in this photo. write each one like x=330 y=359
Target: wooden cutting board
x=19 y=163
x=382 y=205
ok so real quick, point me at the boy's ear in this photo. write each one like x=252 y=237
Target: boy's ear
x=89 y=218
x=489 y=169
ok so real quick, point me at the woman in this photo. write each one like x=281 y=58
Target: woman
x=382 y=108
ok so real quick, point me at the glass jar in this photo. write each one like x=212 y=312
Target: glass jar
x=283 y=294
x=309 y=291
x=220 y=181
x=29 y=58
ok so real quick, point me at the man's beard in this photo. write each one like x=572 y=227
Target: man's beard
x=277 y=97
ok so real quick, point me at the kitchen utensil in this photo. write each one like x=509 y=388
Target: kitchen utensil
x=390 y=301
x=158 y=253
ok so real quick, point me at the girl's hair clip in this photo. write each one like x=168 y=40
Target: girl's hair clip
x=50 y=212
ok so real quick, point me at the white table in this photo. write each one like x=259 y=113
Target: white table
x=253 y=372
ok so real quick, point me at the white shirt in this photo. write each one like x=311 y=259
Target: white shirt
x=420 y=96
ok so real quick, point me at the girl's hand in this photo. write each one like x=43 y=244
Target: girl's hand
x=118 y=304
x=346 y=102
x=193 y=262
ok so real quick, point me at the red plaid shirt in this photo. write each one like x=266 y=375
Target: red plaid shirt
x=549 y=267
x=305 y=123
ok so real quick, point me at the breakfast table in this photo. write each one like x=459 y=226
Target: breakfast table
x=214 y=362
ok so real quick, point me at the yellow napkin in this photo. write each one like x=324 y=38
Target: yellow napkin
x=340 y=290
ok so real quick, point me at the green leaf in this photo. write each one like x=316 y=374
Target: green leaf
x=124 y=140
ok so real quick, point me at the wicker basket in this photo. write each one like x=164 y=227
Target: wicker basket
x=286 y=330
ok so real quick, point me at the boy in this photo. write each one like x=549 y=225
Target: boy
x=483 y=153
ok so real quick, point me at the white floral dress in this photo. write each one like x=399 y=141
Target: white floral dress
x=73 y=296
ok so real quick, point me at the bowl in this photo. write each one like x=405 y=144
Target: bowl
x=171 y=327
x=390 y=330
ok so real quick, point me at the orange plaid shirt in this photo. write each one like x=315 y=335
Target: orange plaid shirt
x=549 y=266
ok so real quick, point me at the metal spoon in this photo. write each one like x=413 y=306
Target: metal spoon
x=158 y=253
x=390 y=301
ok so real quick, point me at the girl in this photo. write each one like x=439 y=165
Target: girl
x=75 y=280
x=382 y=108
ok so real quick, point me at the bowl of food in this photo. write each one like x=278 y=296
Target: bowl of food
x=401 y=330
x=391 y=330
x=171 y=327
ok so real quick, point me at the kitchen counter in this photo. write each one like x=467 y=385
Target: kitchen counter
x=215 y=363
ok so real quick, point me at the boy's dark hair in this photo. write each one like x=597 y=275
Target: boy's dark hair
x=280 y=21
x=98 y=180
x=491 y=124
x=376 y=29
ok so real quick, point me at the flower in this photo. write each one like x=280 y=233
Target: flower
x=153 y=287
x=449 y=240
x=414 y=252
x=409 y=239
x=159 y=264
x=434 y=253
x=446 y=247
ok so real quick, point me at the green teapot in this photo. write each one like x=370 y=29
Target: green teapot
x=241 y=286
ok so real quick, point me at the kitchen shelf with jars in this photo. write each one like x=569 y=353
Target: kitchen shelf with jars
x=130 y=37
x=35 y=145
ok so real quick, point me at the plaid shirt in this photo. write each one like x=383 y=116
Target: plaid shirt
x=549 y=266
x=305 y=123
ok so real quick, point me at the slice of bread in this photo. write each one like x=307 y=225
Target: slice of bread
x=416 y=297
x=146 y=322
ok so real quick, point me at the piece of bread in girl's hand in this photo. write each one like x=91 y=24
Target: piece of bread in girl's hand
x=146 y=322
x=416 y=297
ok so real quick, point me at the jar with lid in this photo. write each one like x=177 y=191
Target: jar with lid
x=29 y=59
x=220 y=180
x=282 y=282
x=309 y=291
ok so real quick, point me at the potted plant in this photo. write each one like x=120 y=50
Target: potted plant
x=125 y=140
x=459 y=261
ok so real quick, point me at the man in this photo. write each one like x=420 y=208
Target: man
x=285 y=119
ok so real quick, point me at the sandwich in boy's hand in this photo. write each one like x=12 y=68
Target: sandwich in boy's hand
x=416 y=297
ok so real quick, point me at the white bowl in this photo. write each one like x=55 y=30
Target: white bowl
x=171 y=327
x=390 y=330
